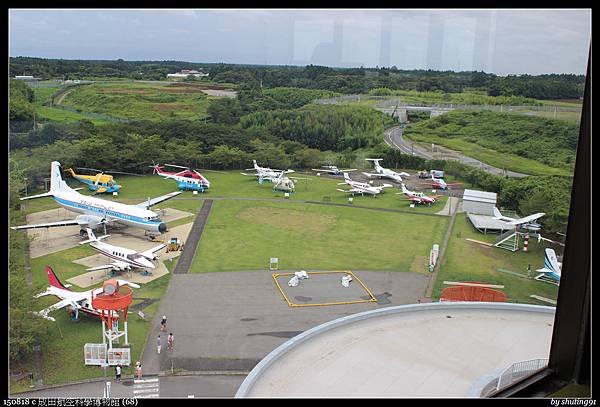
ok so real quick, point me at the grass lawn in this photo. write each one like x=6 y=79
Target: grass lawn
x=468 y=261
x=492 y=157
x=63 y=349
x=241 y=235
x=137 y=100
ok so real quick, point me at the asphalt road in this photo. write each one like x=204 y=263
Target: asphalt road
x=393 y=137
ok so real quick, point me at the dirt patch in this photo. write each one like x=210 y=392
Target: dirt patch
x=287 y=219
x=171 y=107
x=125 y=91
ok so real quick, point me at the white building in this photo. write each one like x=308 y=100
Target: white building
x=479 y=202
x=184 y=73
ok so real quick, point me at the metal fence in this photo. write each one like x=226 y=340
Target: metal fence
x=513 y=373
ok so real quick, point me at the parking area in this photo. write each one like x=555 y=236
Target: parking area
x=228 y=321
x=52 y=240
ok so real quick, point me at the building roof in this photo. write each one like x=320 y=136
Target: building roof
x=422 y=350
x=483 y=222
x=480 y=196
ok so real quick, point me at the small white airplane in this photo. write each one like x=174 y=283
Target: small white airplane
x=384 y=172
x=552 y=267
x=361 y=187
x=96 y=211
x=332 y=169
x=525 y=223
x=78 y=300
x=124 y=258
x=439 y=183
x=418 y=197
x=265 y=173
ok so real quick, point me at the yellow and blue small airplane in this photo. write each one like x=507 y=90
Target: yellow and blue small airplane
x=100 y=182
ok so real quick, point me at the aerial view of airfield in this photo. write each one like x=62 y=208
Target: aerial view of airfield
x=288 y=203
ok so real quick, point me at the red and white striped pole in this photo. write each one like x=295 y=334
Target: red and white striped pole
x=525 y=242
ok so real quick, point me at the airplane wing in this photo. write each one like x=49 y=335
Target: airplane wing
x=70 y=222
x=61 y=304
x=370 y=174
x=250 y=175
x=527 y=219
x=119 y=265
x=151 y=202
x=350 y=191
x=129 y=283
x=149 y=253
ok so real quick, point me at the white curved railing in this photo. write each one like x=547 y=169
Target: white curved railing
x=518 y=370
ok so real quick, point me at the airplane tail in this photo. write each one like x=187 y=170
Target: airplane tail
x=551 y=264
x=347 y=177
x=57 y=184
x=53 y=280
x=255 y=164
x=497 y=213
x=404 y=190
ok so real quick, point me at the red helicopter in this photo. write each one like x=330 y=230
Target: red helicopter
x=187 y=179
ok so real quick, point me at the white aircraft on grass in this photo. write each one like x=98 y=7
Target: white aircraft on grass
x=124 y=258
x=332 y=169
x=552 y=267
x=78 y=300
x=384 y=172
x=96 y=211
x=265 y=172
x=439 y=183
x=418 y=197
x=525 y=223
x=361 y=187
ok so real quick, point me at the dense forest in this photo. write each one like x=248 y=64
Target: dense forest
x=342 y=80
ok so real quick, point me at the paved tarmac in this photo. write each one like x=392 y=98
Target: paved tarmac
x=229 y=321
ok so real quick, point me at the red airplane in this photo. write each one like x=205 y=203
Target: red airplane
x=418 y=197
x=439 y=183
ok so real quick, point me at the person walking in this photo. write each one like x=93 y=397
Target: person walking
x=138 y=370
x=158 y=345
x=170 y=341
x=118 y=373
x=163 y=323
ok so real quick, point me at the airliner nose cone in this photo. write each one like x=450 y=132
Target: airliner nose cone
x=162 y=228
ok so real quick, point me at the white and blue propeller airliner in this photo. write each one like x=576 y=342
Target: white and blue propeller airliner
x=96 y=211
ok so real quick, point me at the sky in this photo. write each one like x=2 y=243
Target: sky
x=503 y=41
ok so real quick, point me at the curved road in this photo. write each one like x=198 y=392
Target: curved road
x=393 y=138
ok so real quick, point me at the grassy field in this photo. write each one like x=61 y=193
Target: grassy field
x=491 y=157
x=43 y=109
x=232 y=184
x=137 y=100
x=468 y=261
x=244 y=235
x=63 y=351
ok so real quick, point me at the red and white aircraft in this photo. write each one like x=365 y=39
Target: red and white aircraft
x=439 y=183
x=187 y=179
x=78 y=300
x=418 y=197
x=361 y=187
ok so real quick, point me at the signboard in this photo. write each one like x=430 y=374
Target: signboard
x=119 y=356
x=94 y=354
